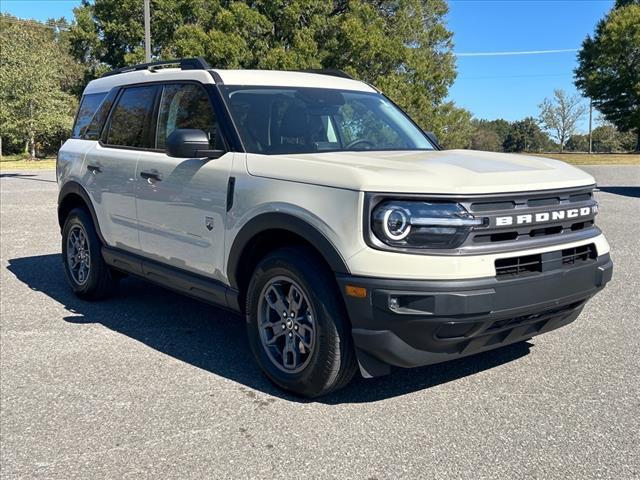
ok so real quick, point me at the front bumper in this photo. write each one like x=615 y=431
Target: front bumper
x=409 y=323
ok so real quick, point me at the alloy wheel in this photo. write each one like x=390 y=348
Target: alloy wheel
x=78 y=254
x=286 y=324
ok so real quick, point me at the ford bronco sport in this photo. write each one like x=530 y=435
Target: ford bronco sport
x=314 y=206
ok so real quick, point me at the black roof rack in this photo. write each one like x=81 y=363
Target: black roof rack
x=198 y=63
x=334 y=72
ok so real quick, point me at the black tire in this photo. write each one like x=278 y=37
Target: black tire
x=331 y=363
x=100 y=282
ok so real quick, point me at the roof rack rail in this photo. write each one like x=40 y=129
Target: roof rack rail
x=334 y=72
x=198 y=63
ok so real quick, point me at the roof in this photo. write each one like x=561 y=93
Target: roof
x=105 y=84
x=275 y=78
x=279 y=78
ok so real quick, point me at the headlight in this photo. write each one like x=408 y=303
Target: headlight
x=416 y=224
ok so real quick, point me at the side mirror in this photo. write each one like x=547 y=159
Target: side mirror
x=433 y=139
x=190 y=143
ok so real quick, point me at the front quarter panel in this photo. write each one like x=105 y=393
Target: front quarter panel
x=333 y=212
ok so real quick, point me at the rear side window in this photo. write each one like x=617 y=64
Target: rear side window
x=94 y=129
x=185 y=106
x=88 y=107
x=129 y=119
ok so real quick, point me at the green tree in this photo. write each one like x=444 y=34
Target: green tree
x=627 y=141
x=489 y=135
x=526 y=136
x=35 y=71
x=486 y=140
x=609 y=67
x=453 y=126
x=578 y=143
x=624 y=3
x=401 y=46
x=560 y=115
x=606 y=139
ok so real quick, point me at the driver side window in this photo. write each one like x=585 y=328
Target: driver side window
x=185 y=106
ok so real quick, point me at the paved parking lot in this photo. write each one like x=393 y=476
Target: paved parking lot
x=154 y=385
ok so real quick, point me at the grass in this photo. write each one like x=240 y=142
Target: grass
x=594 y=159
x=19 y=162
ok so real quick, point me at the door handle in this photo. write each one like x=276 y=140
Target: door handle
x=94 y=168
x=151 y=176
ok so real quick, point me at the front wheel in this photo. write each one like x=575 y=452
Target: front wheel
x=87 y=273
x=297 y=325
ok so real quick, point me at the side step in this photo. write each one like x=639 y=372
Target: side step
x=191 y=284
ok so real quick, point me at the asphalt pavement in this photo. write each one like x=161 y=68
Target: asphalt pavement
x=153 y=385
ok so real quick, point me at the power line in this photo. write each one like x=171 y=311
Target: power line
x=501 y=54
x=516 y=76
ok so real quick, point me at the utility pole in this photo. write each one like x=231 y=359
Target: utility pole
x=590 y=116
x=147 y=32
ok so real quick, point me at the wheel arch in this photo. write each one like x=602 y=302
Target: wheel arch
x=73 y=195
x=277 y=229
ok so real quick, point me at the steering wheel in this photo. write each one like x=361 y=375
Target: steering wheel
x=359 y=141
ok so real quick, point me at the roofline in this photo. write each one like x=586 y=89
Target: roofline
x=334 y=72
x=196 y=63
x=199 y=63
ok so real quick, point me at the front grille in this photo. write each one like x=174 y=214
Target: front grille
x=578 y=255
x=532 y=317
x=543 y=262
x=519 y=265
x=539 y=221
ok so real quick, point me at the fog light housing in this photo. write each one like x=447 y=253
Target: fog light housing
x=394 y=303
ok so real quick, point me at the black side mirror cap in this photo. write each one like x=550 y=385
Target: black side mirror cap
x=190 y=143
x=433 y=139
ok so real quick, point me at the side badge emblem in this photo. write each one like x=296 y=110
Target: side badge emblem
x=208 y=222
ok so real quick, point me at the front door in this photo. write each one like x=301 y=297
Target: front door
x=181 y=203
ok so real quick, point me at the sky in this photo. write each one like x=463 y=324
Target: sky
x=512 y=87
x=502 y=86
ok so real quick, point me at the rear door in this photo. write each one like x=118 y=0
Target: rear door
x=111 y=165
x=181 y=202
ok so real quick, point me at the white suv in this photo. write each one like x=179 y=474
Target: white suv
x=314 y=206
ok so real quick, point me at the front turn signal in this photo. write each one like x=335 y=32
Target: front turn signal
x=357 y=292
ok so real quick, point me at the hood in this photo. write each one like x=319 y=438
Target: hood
x=442 y=172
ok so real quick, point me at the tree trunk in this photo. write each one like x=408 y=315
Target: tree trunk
x=32 y=134
x=32 y=144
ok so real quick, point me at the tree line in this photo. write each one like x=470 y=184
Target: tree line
x=401 y=46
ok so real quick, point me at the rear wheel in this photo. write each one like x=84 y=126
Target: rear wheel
x=297 y=325
x=86 y=272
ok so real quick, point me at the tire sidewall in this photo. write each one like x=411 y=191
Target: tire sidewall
x=299 y=269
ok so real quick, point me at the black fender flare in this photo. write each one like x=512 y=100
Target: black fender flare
x=74 y=188
x=288 y=222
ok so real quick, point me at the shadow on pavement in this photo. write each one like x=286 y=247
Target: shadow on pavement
x=633 y=192
x=214 y=340
x=24 y=176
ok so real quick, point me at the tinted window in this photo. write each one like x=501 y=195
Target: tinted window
x=94 y=129
x=88 y=107
x=305 y=120
x=185 y=106
x=129 y=117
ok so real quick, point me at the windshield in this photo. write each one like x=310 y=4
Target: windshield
x=285 y=120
